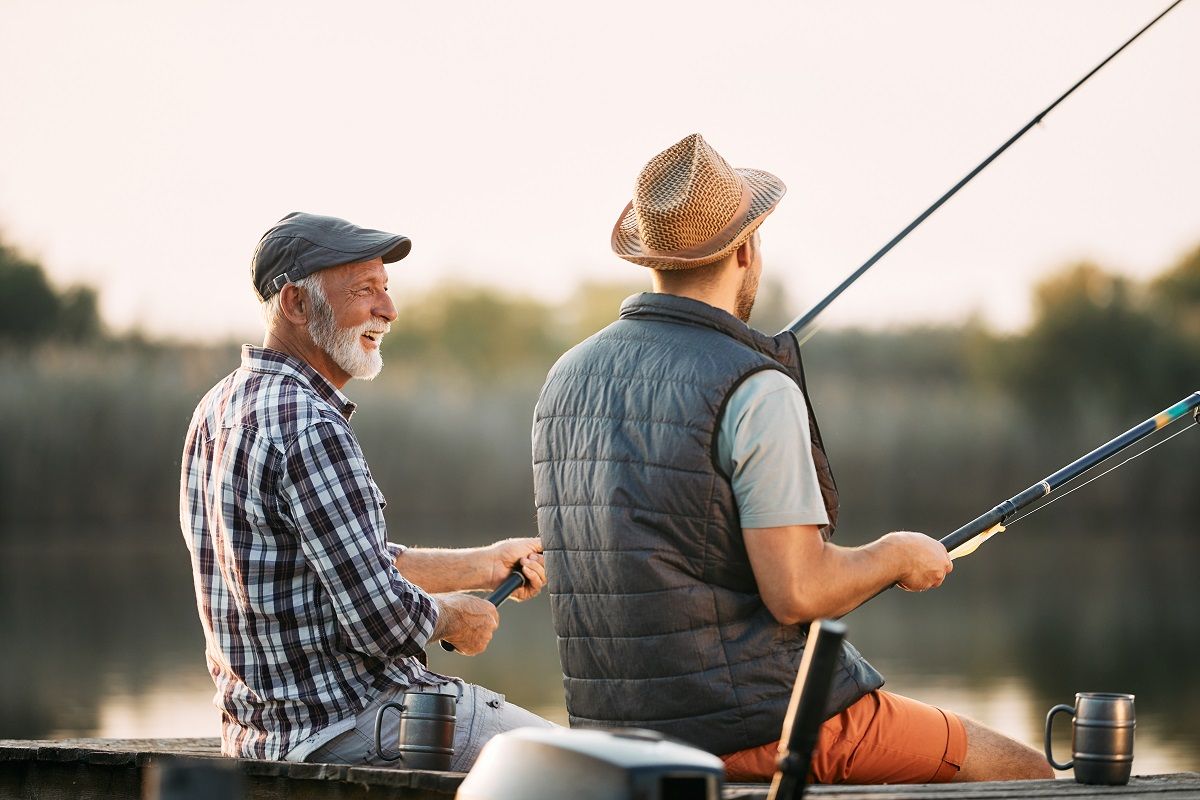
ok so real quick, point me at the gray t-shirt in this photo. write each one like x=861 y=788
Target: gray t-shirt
x=762 y=444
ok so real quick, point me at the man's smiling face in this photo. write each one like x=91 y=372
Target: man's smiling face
x=357 y=313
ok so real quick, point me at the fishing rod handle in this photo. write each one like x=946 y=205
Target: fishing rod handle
x=514 y=581
x=806 y=709
x=994 y=517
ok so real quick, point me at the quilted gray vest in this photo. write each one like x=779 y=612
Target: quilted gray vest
x=659 y=621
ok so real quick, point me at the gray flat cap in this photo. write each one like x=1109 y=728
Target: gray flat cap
x=301 y=244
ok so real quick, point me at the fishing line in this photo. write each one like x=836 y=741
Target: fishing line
x=801 y=324
x=811 y=332
x=1101 y=475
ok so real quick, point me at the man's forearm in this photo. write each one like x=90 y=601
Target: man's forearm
x=436 y=570
x=846 y=577
x=801 y=577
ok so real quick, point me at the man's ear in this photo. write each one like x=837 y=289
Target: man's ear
x=293 y=304
x=745 y=253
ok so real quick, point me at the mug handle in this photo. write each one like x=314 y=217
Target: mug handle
x=1049 y=725
x=379 y=731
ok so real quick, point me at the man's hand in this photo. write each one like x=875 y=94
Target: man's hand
x=466 y=621
x=924 y=561
x=525 y=554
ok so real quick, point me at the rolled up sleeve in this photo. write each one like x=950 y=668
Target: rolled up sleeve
x=337 y=511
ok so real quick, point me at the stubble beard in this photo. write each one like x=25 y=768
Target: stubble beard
x=343 y=344
x=746 y=295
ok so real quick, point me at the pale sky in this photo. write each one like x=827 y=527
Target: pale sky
x=146 y=146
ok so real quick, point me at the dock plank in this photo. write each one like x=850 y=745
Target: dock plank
x=1169 y=787
x=116 y=768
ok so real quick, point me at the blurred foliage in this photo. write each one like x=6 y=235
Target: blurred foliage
x=31 y=310
x=1103 y=346
x=925 y=425
x=473 y=331
x=1176 y=293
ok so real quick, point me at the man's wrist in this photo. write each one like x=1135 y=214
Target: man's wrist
x=890 y=553
x=494 y=569
x=442 y=615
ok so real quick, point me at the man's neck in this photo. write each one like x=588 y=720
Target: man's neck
x=302 y=347
x=718 y=296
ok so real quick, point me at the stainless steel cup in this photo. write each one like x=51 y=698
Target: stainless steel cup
x=1101 y=737
x=426 y=735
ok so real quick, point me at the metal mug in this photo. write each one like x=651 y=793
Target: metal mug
x=426 y=736
x=1101 y=737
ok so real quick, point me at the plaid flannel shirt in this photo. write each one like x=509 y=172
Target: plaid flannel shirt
x=305 y=616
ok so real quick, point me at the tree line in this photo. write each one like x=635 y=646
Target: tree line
x=1097 y=339
x=927 y=426
x=33 y=311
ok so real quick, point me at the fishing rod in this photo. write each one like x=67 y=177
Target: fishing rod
x=804 y=326
x=967 y=538
x=514 y=581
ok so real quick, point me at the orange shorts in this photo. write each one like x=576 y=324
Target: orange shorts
x=882 y=738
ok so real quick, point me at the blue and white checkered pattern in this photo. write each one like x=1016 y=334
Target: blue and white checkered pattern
x=305 y=616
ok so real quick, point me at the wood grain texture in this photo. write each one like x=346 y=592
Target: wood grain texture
x=117 y=768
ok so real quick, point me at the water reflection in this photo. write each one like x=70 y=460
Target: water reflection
x=107 y=643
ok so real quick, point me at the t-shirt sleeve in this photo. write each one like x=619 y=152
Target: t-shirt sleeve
x=763 y=446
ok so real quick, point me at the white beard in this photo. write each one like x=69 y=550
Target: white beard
x=344 y=345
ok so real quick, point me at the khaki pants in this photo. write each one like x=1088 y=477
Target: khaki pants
x=479 y=715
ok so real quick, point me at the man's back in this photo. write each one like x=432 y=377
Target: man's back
x=659 y=618
x=296 y=591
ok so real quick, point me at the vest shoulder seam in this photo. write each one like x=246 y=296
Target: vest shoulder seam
x=610 y=335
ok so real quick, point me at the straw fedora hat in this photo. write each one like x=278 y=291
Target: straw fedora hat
x=690 y=208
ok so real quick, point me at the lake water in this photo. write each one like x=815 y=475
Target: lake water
x=104 y=641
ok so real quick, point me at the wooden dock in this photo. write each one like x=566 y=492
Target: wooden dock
x=118 y=768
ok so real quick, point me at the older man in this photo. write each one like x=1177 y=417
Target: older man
x=686 y=502
x=312 y=619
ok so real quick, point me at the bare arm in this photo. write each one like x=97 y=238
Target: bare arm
x=475 y=568
x=437 y=571
x=801 y=577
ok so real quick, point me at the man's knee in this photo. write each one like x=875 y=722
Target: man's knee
x=481 y=715
x=992 y=756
